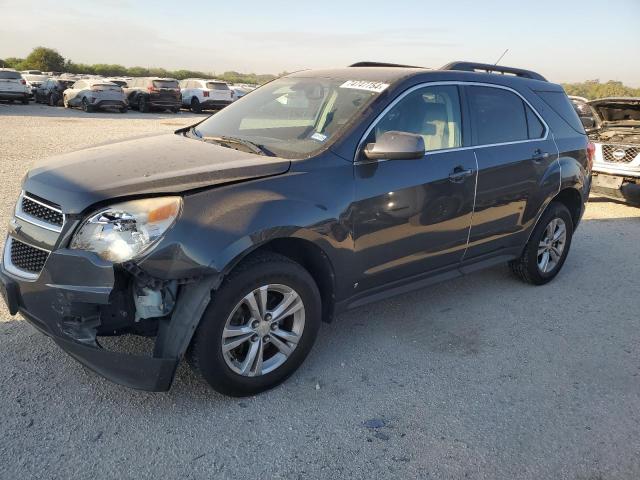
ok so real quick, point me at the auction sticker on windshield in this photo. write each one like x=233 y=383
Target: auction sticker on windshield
x=364 y=85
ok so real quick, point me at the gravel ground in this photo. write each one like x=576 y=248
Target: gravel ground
x=482 y=377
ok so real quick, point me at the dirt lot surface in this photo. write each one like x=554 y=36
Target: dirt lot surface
x=482 y=377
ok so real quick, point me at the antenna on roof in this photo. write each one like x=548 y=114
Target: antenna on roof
x=501 y=56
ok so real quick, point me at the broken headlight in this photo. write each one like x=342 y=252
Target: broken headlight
x=127 y=230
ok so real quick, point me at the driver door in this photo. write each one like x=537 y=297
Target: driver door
x=412 y=217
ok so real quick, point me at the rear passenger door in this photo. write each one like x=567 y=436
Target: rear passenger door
x=413 y=216
x=517 y=167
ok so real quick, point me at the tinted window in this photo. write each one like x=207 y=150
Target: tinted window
x=536 y=128
x=499 y=116
x=561 y=104
x=217 y=86
x=165 y=83
x=432 y=112
x=10 y=75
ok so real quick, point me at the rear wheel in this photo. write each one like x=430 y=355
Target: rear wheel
x=122 y=109
x=86 y=106
x=175 y=109
x=259 y=327
x=25 y=101
x=548 y=247
x=143 y=105
x=195 y=105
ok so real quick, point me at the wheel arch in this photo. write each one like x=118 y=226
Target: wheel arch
x=572 y=199
x=306 y=253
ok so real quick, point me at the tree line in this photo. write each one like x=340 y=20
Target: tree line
x=593 y=89
x=49 y=60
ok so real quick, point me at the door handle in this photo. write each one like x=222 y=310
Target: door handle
x=539 y=155
x=459 y=174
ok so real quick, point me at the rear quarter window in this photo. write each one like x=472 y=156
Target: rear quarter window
x=560 y=103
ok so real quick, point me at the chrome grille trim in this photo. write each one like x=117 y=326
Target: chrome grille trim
x=13 y=269
x=630 y=152
x=22 y=215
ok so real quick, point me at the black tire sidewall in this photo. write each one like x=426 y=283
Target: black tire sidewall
x=208 y=352
x=555 y=210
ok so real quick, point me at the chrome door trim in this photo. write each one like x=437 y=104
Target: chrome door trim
x=432 y=84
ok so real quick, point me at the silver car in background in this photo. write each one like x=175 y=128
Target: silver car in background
x=92 y=94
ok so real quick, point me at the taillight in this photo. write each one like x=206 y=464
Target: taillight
x=23 y=81
x=205 y=93
x=151 y=89
x=591 y=154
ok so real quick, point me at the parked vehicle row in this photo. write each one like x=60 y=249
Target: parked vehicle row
x=140 y=93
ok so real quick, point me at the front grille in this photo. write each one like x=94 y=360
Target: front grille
x=27 y=258
x=619 y=153
x=41 y=211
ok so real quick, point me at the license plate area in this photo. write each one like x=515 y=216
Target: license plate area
x=607 y=181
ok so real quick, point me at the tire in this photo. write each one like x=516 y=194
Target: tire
x=25 y=101
x=50 y=100
x=143 y=105
x=85 y=106
x=175 y=109
x=222 y=371
x=123 y=109
x=531 y=267
x=195 y=106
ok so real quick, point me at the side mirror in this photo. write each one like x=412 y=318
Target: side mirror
x=396 y=146
x=588 y=122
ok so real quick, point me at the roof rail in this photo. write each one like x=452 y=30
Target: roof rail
x=488 y=68
x=382 y=64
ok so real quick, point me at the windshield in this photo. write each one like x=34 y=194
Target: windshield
x=291 y=117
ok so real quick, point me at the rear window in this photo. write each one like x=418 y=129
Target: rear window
x=499 y=115
x=561 y=104
x=165 y=83
x=217 y=86
x=120 y=83
x=36 y=78
x=10 y=76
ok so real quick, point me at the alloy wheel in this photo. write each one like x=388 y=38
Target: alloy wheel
x=263 y=330
x=552 y=245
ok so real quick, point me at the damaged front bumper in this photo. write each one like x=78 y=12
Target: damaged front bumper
x=65 y=300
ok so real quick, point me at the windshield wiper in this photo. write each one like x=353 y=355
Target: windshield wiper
x=228 y=141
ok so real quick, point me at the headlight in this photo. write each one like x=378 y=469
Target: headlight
x=126 y=230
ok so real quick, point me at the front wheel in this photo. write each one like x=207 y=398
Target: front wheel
x=143 y=105
x=548 y=247
x=259 y=327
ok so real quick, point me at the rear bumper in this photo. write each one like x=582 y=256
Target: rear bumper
x=215 y=104
x=110 y=104
x=63 y=302
x=14 y=95
x=165 y=103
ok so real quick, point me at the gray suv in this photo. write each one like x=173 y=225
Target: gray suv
x=231 y=240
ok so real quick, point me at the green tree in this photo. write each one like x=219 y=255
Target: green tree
x=12 y=62
x=593 y=89
x=45 y=59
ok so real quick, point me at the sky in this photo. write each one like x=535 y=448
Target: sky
x=564 y=40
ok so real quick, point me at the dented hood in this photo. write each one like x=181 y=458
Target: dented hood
x=159 y=164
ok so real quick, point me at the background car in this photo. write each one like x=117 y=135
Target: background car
x=201 y=94
x=95 y=94
x=147 y=93
x=118 y=81
x=240 y=91
x=34 y=81
x=584 y=111
x=13 y=86
x=51 y=90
